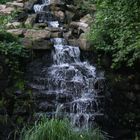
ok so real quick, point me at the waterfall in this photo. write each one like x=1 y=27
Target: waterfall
x=40 y=7
x=67 y=87
x=53 y=24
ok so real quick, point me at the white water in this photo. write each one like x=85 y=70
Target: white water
x=70 y=80
x=54 y=24
x=39 y=7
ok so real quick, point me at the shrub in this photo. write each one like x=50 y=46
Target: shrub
x=58 y=130
x=86 y=6
x=116 y=30
x=13 y=51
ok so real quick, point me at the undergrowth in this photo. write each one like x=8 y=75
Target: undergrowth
x=55 y=129
x=116 y=31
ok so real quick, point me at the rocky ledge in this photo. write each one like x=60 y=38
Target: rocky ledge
x=36 y=34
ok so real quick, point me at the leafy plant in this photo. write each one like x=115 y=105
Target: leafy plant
x=4 y=20
x=58 y=130
x=14 y=52
x=86 y=5
x=116 y=30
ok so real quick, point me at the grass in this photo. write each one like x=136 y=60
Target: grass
x=55 y=129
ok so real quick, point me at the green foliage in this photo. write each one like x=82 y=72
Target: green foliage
x=4 y=1
x=4 y=20
x=2 y=103
x=86 y=5
x=116 y=30
x=10 y=47
x=58 y=130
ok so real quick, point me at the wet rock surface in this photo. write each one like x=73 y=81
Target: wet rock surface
x=68 y=87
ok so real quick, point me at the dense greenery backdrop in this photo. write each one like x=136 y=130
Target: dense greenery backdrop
x=116 y=30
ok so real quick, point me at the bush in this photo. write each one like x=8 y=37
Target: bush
x=6 y=19
x=58 y=130
x=86 y=6
x=116 y=30
x=14 y=52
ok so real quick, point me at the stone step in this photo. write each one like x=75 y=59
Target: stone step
x=36 y=86
x=46 y=107
x=87 y=106
x=44 y=95
x=59 y=96
x=54 y=84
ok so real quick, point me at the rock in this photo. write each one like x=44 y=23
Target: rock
x=52 y=8
x=93 y=7
x=80 y=25
x=20 y=1
x=36 y=44
x=60 y=15
x=30 y=21
x=2 y=6
x=20 y=111
x=83 y=44
x=58 y=2
x=67 y=35
x=69 y=16
x=6 y=11
x=75 y=33
x=42 y=45
x=21 y=16
x=17 y=32
x=15 y=4
x=37 y=34
x=99 y=84
x=40 y=25
x=13 y=25
x=27 y=43
x=45 y=96
x=73 y=42
x=28 y=6
x=86 y=19
x=42 y=17
x=52 y=29
x=56 y=35
x=46 y=107
x=55 y=29
x=71 y=8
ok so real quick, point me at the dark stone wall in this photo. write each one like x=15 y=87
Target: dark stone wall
x=122 y=107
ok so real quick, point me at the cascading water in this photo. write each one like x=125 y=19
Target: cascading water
x=68 y=87
x=40 y=7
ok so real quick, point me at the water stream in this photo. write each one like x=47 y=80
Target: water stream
x=69 y=87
